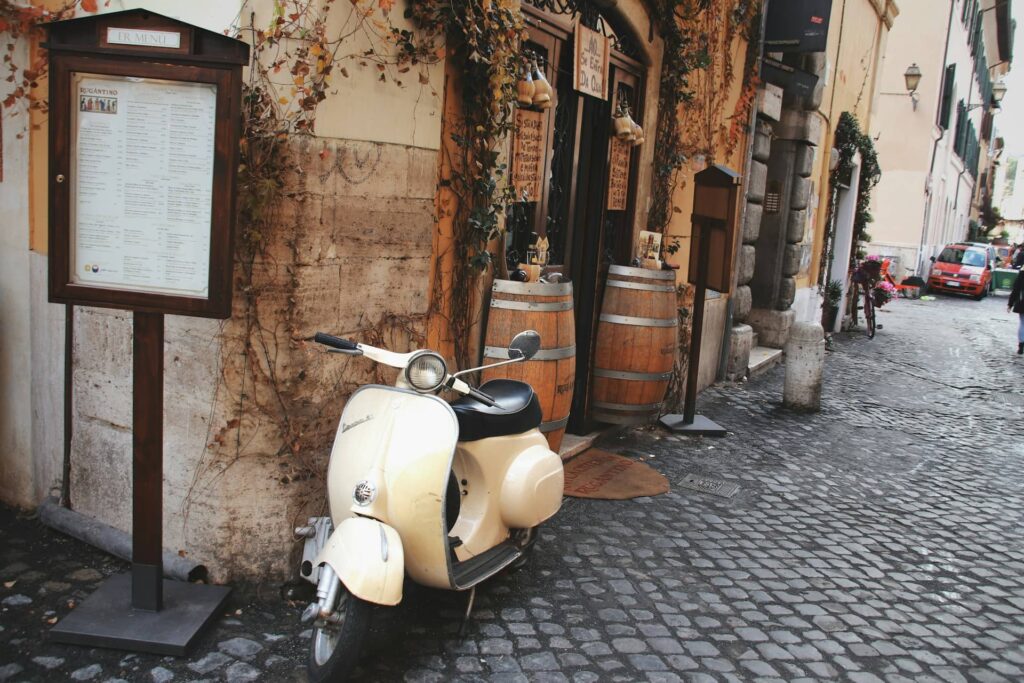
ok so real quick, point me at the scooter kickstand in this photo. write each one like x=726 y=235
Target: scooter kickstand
x=469 y=611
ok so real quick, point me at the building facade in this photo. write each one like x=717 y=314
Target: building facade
x=364 y=235
x=789 y=220
x=931 y=143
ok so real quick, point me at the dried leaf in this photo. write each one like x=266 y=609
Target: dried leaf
x=89 y=6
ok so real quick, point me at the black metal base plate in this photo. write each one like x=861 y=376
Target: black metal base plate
x=701 y=426
x=106 y=618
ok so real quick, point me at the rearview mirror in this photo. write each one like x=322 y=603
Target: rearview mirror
x=524 y=345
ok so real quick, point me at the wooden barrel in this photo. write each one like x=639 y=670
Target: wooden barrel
x=635 y=347
x=546 y=308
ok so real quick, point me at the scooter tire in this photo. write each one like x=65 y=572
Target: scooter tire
x=332 y=658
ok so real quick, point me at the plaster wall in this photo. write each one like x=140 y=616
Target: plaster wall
x=955 y=186
x=680 y=227
x=16 y=472
x=905 y=135
x=858 y=37
x=250 y=406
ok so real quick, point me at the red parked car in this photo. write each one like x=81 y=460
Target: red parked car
x=961 y=269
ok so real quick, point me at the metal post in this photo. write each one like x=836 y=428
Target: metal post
x=693 y=364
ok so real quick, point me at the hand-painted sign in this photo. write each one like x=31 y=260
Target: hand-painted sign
x=528 y=155
x=618 y=175
x=590 y=72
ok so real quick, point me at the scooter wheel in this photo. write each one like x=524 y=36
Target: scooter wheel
x=334 y=650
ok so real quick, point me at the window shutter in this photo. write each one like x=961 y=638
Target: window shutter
x=946 y=106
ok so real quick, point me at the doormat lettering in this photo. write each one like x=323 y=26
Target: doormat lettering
x=600 y=474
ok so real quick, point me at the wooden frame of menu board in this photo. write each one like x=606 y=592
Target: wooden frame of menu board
x=142 y=179
x=145 y=124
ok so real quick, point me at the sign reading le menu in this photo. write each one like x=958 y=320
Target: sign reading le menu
x=136 y=36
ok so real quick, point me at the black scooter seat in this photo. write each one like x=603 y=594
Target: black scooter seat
x=518 y=411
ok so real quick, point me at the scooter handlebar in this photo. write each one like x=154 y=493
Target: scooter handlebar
x=335 y=342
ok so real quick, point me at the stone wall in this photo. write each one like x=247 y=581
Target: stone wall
x=251 y=404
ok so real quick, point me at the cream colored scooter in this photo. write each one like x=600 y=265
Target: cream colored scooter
x=448 y=494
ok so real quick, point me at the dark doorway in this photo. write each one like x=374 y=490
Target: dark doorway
x=584 y=237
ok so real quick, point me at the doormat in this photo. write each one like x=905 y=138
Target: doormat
x=599 y=474
x=716 y=487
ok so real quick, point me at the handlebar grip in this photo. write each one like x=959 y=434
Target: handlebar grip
x=335 y=342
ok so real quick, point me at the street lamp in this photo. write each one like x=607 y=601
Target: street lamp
x=912 y=76
x=998 y=92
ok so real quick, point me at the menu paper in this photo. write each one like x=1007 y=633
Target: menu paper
x=142 y=184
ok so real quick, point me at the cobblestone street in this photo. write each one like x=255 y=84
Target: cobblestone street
x=880 y=540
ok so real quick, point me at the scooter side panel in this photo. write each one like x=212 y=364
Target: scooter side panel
x=532 y=489
x=402 y=442
x=368 y=558
x=485 y=463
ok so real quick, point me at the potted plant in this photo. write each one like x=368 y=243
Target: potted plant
x=830 y=307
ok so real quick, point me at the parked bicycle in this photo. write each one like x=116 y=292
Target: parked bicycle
x=865 y=276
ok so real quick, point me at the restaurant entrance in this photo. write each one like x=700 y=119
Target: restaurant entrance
x=585 y=236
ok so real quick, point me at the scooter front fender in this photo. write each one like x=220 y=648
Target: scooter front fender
x=367 y=556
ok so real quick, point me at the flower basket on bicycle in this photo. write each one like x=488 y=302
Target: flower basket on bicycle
x=883 y=292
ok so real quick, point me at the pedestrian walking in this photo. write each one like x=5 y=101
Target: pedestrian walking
x=1018 y=257
x=1016 y=304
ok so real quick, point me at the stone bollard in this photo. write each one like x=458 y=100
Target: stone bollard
x=805 y=360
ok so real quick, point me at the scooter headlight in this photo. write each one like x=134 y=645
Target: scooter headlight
x=426 y=371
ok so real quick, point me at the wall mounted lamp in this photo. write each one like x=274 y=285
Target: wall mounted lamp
x=912 y=77
x=998 y=93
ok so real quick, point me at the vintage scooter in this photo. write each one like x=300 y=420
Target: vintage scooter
x=446 y=494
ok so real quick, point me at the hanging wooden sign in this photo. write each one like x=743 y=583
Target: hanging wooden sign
x=618 y=175
x=528 y=155
x=590 y=66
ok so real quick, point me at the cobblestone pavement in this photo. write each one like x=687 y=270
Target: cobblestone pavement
x=881 y=539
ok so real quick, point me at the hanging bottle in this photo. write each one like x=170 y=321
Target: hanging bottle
x=525 y=88
x=542 y=95
x=623 y=124
x=638 y=134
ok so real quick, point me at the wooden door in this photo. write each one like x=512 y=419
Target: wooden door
x=585 y=236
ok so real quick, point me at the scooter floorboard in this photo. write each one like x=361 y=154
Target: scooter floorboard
x=474 y=570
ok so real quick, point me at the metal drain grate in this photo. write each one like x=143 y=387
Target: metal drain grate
x=716 y=487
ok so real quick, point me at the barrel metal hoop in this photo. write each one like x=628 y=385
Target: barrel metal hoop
x=499 y=352
x=633 y=376
x=536 y=288
x=554 y=425
x=623 y=284
x=638 y=322
x=629 y=407
x=532 y=305
x=612 y=418
x=642 y=272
